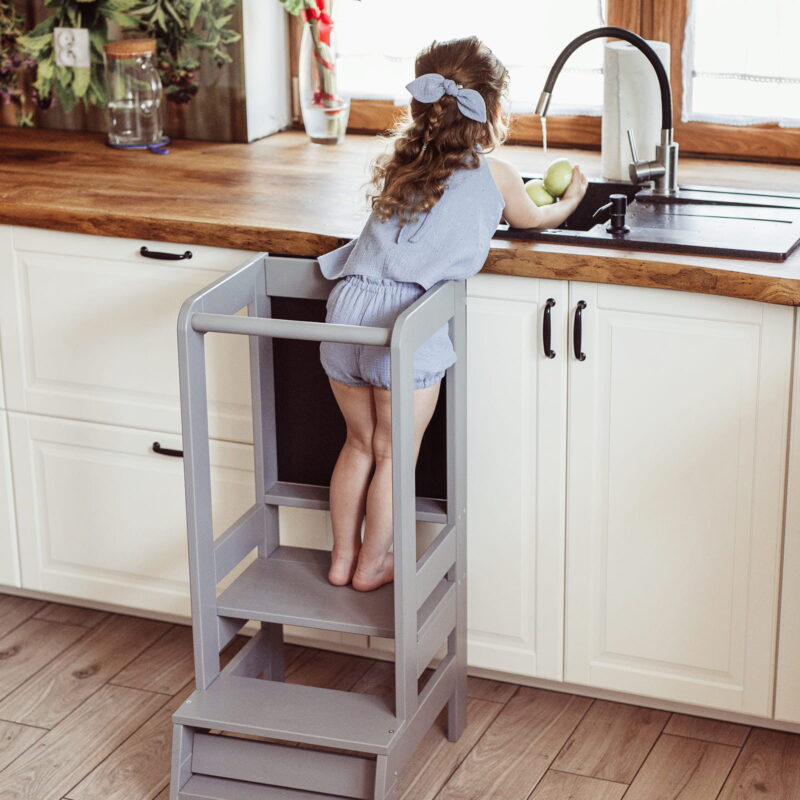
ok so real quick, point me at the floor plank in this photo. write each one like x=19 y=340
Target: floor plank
x=15 y=610
x=61 y=686
x=565 y=786
x=28 y=647
x=65 y=754
x=327 y=669
x=140 y=767
x=16 y=739
x=72 y=615
x=486 y=689
x=165 y=666
x=377 y=680
x=436 y=758
x=518 y=747
x=768 y=768
x=709 y=730
x=612 y=741
x=683 y=769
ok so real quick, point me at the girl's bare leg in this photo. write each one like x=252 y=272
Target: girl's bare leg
x=375 y=563
x=350 y=478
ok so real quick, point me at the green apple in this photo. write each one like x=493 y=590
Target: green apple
x=558 y=177
x=538 y=193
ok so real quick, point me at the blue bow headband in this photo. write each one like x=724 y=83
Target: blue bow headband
x=431 y=86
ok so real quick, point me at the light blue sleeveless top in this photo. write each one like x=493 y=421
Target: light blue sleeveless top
x=450 y=241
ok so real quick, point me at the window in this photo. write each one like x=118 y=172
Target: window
x=377 y=42
x=742 y=62
x=739 y=73
x=735 y=65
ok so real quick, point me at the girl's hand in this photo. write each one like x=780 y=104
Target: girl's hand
x=577 y=187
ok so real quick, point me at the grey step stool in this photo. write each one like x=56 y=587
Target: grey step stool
x=362 y=741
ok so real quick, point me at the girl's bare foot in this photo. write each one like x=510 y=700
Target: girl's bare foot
x=343 y=565
x=369 y=576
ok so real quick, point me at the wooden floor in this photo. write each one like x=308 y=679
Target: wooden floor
x=86 y=699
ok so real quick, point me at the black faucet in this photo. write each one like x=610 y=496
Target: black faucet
x=663 y=170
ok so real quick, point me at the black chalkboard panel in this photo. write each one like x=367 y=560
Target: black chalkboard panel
x=310 y=427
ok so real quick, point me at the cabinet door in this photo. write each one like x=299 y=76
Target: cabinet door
x=88 y=330
x=103 y=516
x=677 y=445
x=9 y=557
x=787 y=690
x=516 y=428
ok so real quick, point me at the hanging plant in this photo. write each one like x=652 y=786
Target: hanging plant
x=14 y=64
x=181 y=28
x=70 y=84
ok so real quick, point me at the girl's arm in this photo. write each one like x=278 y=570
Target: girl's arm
x=520 y=211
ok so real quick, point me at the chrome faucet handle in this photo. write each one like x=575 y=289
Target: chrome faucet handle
x=632 y=143
x=642 y=171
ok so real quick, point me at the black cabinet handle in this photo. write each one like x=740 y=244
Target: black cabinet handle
x=147 y=253
x=577 y=331
x=165 y=451
x=546 y=329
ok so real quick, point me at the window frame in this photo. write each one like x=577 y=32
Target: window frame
x=665 y=20
x=662 y=20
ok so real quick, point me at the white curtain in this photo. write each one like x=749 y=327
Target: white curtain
x=741 y=62
x=377 y=41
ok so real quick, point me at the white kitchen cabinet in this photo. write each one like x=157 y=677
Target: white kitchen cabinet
x=516 y=454
x=677 y=441
x=9 y=555
x=88 y=330
x=102 y=516
x=787 y=690
x=6 y=264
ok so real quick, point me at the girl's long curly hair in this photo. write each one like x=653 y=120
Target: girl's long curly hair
x=410 y=179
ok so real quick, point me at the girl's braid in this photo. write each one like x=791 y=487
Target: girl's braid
x=436 y=116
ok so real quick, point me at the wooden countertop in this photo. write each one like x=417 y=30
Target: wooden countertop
x=284 y=194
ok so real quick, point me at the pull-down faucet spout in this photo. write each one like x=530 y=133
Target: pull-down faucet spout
x=663 y=169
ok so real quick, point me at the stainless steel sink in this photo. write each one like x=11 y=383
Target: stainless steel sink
x=708 y=220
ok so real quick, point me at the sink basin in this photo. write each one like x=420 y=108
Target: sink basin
x=707 y=220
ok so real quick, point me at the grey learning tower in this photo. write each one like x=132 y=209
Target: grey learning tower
x=360 y=743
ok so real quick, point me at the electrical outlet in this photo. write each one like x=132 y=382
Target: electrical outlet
x=71 y=47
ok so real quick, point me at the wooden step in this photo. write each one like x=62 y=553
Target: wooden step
x=364 y=723
x=293 y=767
x=306 y=495
x=203 y=787
x=291 y=587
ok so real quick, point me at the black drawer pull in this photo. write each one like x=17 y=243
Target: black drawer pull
x=550 y=353
x=577 y=331
x=166 y=451
x=147 y=253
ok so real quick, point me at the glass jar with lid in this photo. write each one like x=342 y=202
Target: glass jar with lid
x=134 y=93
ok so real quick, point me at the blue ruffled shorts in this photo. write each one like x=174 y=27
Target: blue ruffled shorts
x=361 y=300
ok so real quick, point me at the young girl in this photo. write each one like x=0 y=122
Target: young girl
x=440 y=201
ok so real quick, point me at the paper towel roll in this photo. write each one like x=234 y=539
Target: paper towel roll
x=631 y=99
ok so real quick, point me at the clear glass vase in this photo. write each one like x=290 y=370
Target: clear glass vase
x=325 y=112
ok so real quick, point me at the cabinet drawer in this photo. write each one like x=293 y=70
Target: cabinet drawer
x=88 y=330
x=503 y=287
x=102 y=517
